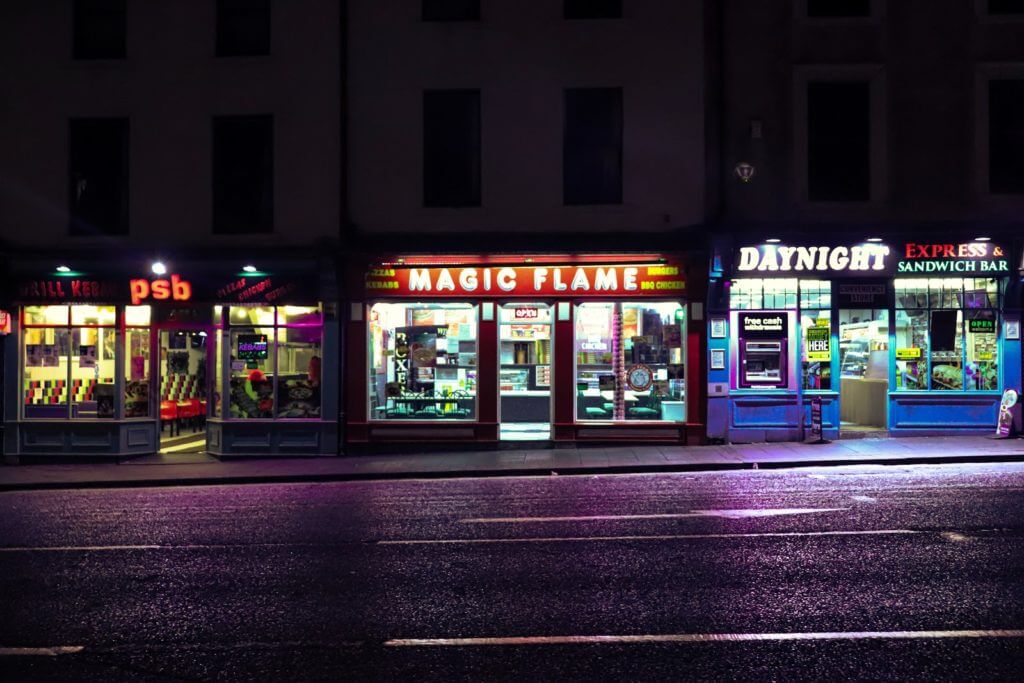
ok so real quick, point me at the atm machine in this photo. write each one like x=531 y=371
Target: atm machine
x=763 y=350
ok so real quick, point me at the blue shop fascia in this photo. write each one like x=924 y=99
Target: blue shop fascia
x=898 y=337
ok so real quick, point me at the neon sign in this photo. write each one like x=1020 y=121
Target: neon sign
x=175 y=288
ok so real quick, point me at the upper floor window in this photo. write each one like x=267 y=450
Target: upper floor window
x=243 y=28
x=243 y=174
x=1006 y=136
x=592 y=147
x=838 y=141
x=451 y=10
x=451 y=148
x=838 y=9
x=99 y=29
x=98 y=176
x=1005 y=6
x=593 y=9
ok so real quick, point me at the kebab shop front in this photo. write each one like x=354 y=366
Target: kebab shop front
x=900 y=338
x=204 y=357
x=524 y=349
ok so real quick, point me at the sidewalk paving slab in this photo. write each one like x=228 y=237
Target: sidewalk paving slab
x=187 y=469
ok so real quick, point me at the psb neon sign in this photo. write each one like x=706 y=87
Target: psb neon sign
x=160 y=290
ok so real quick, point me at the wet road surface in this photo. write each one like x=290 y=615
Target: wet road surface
x=809 y=574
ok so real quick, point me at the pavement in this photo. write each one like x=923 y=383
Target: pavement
x=197 y=469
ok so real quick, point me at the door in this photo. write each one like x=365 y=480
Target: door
x=863 y=368
x=525 y=336
x=184 y=380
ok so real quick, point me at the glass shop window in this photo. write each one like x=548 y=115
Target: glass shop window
x=275 y=362
x=423 y=361
x=631 y=361
x=759 y=294
x=946 y=334
x=68 y=356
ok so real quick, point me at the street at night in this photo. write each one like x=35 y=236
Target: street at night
x=865 y=572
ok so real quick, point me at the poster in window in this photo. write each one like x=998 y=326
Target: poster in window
x=672 y=336
x=138 y=368
x=33 y=355
x=718 y=328
x=50 y=358
x=718 y=359
x=1012 y=329
x=251 y=347
x=87 y=356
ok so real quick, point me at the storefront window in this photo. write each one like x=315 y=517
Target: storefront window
x=68 y=371
x=946 y=334
x=275 y=362
x=816 y=331
x=631 y=361
x=423 y=361
x=768 y=293
x=136 y=361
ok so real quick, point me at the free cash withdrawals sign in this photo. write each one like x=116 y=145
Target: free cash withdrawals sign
x=655 y=280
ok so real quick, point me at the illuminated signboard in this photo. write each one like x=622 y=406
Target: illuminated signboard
x=175 y=288
x=251 y=347
x=969 y=258
x=868 y=259
x=819 y=343
x=523 y=313
x=580 y=281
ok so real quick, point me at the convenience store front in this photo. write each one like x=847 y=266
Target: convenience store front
x=229 y=359
x=524 y=348
x=902 y=338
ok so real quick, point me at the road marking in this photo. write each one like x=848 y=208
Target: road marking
x=955 y=537
x=865 y=499
x=699 y=638
x=727 y=514
x=104 y=548
x=661 y=537
x=40 y=651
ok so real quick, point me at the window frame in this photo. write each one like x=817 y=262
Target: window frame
x=471 y=305
x=682 y=305
x=224 y=331
x=1005 y=205
x=116 y=328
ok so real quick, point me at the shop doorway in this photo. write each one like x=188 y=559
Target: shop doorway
x=863 y=370
x=183 y=380
x=525 y=333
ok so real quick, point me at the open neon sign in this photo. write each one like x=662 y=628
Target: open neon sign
x=175 y=288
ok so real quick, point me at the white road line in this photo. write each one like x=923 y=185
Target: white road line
x=955 y=537
x=660 y=537
x=699 y=638
x=40 y=651
x=865 y=499
x=104 y=548
x=727 y=514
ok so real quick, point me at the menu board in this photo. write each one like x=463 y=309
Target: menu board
x=251 y=347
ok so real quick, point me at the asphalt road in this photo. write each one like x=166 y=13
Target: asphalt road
x=809 y=574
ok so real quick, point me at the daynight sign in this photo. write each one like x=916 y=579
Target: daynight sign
x=623 y=280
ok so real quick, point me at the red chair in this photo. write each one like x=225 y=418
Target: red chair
x=198 y=409
x=168 y=413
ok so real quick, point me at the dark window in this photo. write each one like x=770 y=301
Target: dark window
x=1006 y=6
x=99 y=29
x=592 y=147
x=243 y=28
x=451 y=10
x=243 y=174
x=98 y=176
x=593 y=9
x=1006 y=136
x=838 y=142
x=828 y=9
x=451 y=148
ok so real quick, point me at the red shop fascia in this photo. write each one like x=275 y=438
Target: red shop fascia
x=558 y=284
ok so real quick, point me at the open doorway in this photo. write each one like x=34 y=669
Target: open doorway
x=863 y=369
x=183 y=384
x=524 y=373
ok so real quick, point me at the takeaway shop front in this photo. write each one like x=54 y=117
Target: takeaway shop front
x=526 y=348
x=202 y=356
x=900 y=337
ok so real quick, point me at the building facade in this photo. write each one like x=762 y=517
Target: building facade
x=527 y=185
x=170 y=227
x=871 y=213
